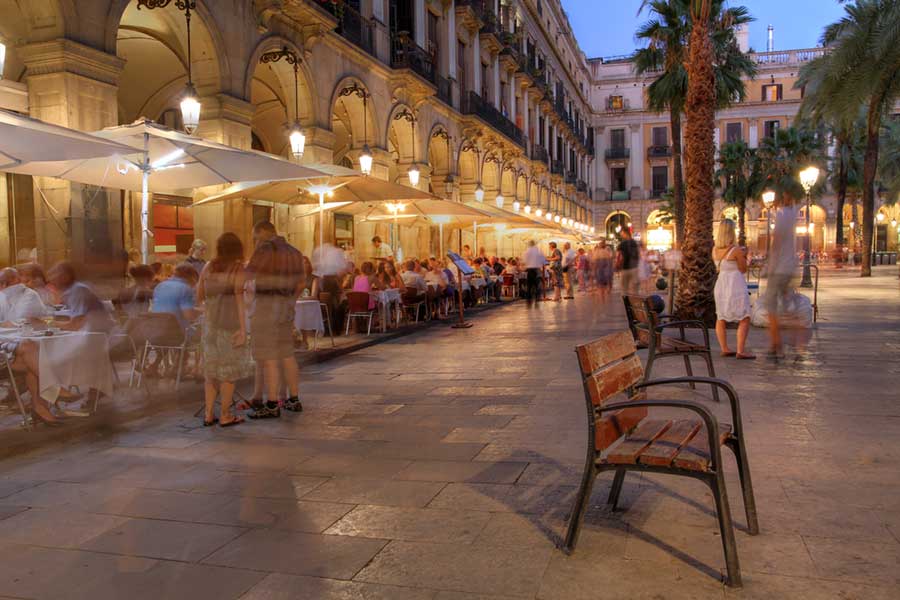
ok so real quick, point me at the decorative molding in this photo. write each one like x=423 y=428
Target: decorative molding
x=66 y=56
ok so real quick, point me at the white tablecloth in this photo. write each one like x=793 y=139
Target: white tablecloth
x=67 y=359
x=308 y=316
x=386 y=297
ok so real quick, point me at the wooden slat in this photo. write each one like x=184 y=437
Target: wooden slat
x=695 y=456
x=628 y=451
x=615 y=424
x=612 y=380
x=603 y=351
x=666 y=447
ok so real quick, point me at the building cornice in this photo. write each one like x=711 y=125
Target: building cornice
x=66 y=56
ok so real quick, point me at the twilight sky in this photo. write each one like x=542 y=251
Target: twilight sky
x=606 y=27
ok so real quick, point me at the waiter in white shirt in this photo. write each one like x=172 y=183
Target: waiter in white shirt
x=534 y=261
x=382 y=250
x=16 y=300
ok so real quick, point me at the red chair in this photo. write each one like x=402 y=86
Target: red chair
x=509 y=285
x=358 y=308
x=412 y=300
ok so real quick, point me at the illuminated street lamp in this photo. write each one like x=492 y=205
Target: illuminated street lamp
x=479 y=192
x=768 y=198
x=499 y=201
x=808 y=178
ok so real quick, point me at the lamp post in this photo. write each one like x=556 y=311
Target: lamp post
x=768 y=199
x=296 y=137
x=879 y=218
x=808 y=178
x=190 y=102
x=413 y=169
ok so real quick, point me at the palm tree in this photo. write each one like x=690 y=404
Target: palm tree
x=782 y=157
x=740 y=173
x=863 y=68
x=698 y=272
x=667 y=35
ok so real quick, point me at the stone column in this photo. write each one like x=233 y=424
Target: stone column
x=637 y=162
x=525 y=121
x=419 y=22
x=495 y=85
x=511 y=103
x=753 y=133
x=75 y=86
x=224 y=119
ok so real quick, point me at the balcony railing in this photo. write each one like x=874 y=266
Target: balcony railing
x=571 y=177
x=406 y=54
x=658 y=193
x=659 y=151
x=477 y=6
x=620 y=196
x=352 y=26
x=581 y=186
x=787 y=57
x=615 y=153
x=491 y=23
x=473 y=104
x=444 y=90
x=539 y=153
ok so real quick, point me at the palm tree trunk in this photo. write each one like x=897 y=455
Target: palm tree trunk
x=742 y=220
x=841 y=196
x=870 y=164
x=698 y=273
x=678 y=176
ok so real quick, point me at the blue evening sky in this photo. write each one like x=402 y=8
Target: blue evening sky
x=606 y=27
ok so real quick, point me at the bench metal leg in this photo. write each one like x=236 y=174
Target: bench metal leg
x=688 y=369
x=712 y=373
x=726 y=529
x=616 y=489
x=740 y=456
x=580 y=507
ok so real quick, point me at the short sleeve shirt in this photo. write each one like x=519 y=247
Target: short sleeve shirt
x=81 y=301
x=174 y=296
x=631 y=254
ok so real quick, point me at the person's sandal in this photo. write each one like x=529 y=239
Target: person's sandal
x=729 y=354
x=234 y=421
x=746 y=356
x=210 y=423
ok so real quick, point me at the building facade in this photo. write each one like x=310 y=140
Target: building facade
x=488 y=95
x=635 y=166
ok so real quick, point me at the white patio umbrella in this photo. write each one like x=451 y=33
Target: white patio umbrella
x=24 y=139
x=337 y=183
x=170 y=162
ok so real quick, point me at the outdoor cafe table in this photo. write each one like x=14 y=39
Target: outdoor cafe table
x=67 y=359
x=386 y=299
x=308 y=316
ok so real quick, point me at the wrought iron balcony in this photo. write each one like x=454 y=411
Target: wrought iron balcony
x=618 y=196
x=557 y=167
x=406 y=54
x=539 y=153
x=444 y=90
x=473 y=104
x=659 y=151
x=658 y=193
x=616 y=153
x=571 y=177
x=352 y=26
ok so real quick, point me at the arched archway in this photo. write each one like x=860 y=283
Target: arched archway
x=468 y=162
x=154 y=45
x=33 y=21
x=616 y=222
x=402 y=132
x=353 y=119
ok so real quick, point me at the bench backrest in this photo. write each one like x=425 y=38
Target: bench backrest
x=642 y=319
x=610 y=367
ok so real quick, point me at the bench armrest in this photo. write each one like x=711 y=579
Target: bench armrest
x=709 y=420
x=682 y=325
x=719 y=383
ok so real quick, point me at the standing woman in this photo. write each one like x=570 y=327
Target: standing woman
x=556 y=278
x=224 y=340
x=732 y=299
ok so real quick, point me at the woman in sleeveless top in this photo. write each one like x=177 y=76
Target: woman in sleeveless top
x=224 y=341
x=732 y=299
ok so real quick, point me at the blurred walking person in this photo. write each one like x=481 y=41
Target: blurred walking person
x=534 y=263
x=780 y=268
x=628 y=260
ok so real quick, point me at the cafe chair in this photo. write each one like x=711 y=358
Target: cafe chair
x=165 y=335
x=413 y=301
x=509 y=287
x=7 y=374
x=358 y=308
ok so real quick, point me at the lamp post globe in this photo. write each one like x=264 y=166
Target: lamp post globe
x=808 y=178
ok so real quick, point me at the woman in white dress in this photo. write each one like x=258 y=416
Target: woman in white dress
x=732 y=299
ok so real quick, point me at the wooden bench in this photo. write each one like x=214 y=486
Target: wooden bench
x=648 y=329
x=624 y=436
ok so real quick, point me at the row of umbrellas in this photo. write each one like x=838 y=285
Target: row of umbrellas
x=149 y=158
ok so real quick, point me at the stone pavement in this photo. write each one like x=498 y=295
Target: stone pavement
x=442 y=466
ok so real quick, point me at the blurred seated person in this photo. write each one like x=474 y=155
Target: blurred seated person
x=437 y=278
x=367 y=282
x=176 y=295
x=309 y=285
x=197 y=255
x=85 y=307
x=496 y=265
x=135 y=299
x=412 y=279
x=512 y=267
x=24 y=359
x=348 y=278
x=17 y=301
x=33 y=276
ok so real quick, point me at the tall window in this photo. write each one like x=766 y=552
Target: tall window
x=660 y=136
x=734 y=132
x=770 y=127
x=432 y=36
x=484 y=81
x=771 y=92
x=617 y=138
x=617 y=174
x=659 y=181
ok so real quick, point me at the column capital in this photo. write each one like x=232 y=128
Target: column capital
x=66 y=56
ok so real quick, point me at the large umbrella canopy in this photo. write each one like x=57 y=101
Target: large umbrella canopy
x=177 y=163
x=339 y=184
x=23 y=139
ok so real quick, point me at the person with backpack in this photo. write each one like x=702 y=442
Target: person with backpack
x=276 y=268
